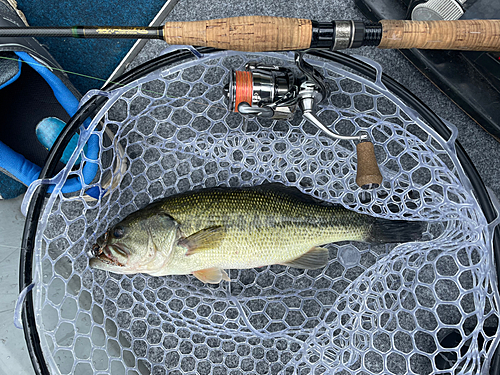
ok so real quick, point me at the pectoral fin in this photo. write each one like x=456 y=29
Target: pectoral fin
x=315 y=258
x=211 y=275
x=204 y=239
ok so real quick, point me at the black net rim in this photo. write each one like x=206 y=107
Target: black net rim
x=95 y=103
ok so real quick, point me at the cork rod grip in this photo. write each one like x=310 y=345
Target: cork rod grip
x=472 y=35
x=250 y=33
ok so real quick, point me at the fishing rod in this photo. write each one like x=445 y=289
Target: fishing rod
x=264 y=33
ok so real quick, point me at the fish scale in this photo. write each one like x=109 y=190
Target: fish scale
x=263 y=226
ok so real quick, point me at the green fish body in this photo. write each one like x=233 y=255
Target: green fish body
x=207 y=231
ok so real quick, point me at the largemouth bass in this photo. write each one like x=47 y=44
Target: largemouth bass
x=204 y=232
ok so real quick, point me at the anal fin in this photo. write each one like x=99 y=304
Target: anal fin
x=211 y=275
x=315 y=258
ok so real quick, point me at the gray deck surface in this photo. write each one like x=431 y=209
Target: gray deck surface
x=480 y=146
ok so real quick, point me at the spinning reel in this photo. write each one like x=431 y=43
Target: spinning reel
x=275 y=92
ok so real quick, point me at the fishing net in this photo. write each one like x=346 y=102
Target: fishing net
x=429 y=307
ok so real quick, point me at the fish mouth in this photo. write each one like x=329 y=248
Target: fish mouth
x=108 y=254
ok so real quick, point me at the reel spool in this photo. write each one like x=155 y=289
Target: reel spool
x=270 y=91
x=262 y=90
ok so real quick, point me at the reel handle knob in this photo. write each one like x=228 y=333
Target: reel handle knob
x=368 y=174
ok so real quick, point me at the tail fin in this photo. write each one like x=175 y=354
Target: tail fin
x=391 y=231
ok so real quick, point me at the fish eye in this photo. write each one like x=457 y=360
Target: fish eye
x=118 y=232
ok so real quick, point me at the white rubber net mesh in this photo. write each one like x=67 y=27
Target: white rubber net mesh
x=417 y=308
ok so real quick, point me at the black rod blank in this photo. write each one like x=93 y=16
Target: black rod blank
x=110 y=32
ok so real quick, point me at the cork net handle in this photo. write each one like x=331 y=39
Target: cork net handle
x=473 y=35
x=250 y=33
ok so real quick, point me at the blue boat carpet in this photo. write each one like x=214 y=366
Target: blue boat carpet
x=90 y=57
